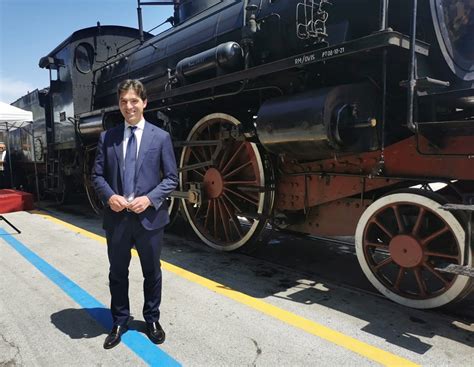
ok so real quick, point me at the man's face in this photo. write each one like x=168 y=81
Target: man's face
x=131 y=106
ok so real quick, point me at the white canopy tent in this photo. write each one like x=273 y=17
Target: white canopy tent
x=12 y=118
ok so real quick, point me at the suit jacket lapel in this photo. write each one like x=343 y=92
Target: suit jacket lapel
x=145 y=143
x=118 y=147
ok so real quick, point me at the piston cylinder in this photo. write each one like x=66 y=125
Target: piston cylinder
x=90 y=127
x=317 y=124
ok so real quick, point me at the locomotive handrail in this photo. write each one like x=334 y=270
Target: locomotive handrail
x=371 y=42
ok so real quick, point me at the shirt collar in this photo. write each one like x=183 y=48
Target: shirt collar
x=140 y=125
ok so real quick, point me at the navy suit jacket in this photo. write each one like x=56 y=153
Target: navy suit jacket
x=156 y=174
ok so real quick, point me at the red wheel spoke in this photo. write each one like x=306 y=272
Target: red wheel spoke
x=436 y=274
x=238 y=169
x=444 y=256
x=224 y=219
x=198 y=210
x=418 y=223
x=432 y=236
x=377 y=245
x=224 y=157
x=205 y=153
x=420 y=282
x=232 y=159
x=233 y=219
x=199 y=173
x=383 y=263
x=400 y=274
x=198 y=157
x=401 y=226
x=208 y=212
x=254 y=202
x=214 y=207
x=383 y=228
x=236 y=207
x=210 y=149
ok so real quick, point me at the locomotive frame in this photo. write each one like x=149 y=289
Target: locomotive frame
x=297 y=139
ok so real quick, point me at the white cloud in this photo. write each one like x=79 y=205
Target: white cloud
x=11 y=89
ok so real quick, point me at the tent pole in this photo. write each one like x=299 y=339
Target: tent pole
x=9 y=156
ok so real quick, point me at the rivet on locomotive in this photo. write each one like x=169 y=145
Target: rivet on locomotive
x=329 y=118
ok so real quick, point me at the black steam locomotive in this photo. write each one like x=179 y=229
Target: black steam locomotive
x=316 y=116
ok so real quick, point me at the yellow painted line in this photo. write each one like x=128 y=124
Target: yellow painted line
x=375 y=354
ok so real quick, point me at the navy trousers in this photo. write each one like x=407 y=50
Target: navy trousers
x=120 y=239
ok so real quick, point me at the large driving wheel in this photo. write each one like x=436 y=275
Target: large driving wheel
x=402 y=239
x=236 y=198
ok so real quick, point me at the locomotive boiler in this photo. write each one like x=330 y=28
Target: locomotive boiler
x=320 y=117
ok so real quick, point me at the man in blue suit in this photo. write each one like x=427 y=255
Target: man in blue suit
x=134 y=172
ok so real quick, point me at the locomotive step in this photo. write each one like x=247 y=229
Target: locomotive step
x=458 y=269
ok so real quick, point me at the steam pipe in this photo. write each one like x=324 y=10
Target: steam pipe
x=140 y=22
x=412 y=80
x=384 y=15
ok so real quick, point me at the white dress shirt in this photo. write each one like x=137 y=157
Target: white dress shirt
x=138 y=135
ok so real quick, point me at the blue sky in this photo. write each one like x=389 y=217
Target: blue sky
x=30 y=29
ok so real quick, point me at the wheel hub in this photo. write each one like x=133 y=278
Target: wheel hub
x=406 y=251
x=213 y=183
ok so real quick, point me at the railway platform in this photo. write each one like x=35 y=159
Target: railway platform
x=218 y=309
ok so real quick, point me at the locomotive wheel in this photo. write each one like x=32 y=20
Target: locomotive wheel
x=232 y=187
x=400 y=241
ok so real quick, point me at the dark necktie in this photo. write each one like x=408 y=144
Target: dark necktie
x=129 y=164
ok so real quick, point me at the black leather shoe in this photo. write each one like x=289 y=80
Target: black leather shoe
x=114 y=338
x=155 y=332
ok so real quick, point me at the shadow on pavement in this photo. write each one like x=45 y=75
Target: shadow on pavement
x=309 y=272
x=81 y=323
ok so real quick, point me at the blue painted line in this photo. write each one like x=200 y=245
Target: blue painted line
x=136 y=341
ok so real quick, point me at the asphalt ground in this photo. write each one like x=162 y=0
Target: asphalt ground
x=219 y=309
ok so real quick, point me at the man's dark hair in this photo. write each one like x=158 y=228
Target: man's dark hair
x=134 y=85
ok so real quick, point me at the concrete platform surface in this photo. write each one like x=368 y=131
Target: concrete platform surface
x=218 y=309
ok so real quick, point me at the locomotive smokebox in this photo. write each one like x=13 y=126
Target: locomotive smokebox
x=317 y=124
x=224 y=58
